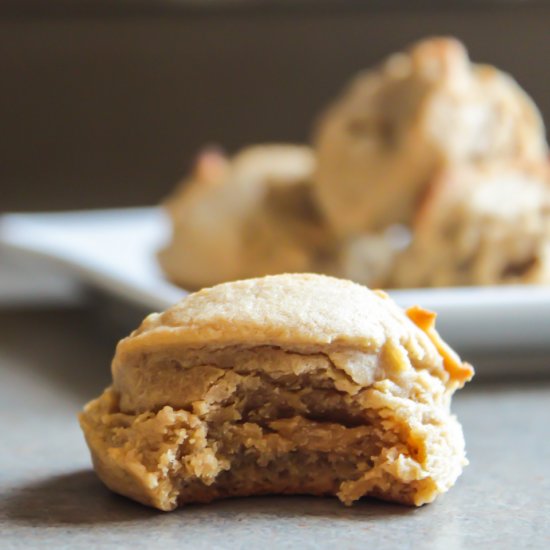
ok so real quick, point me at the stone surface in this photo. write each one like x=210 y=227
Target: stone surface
x=51 y=362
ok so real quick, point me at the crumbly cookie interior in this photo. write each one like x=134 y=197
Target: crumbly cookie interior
x=201 y=425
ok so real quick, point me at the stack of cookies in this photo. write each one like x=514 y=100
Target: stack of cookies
x=427 y=171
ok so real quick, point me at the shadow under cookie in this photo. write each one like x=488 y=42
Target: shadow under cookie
x=76 y=498
x=79 y=499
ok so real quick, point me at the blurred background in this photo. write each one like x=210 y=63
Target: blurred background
x=105 y=103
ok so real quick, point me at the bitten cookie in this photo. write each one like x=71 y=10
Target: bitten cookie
x=289 y=384
x=248 y=216
x=481 y=225
x=382 y=142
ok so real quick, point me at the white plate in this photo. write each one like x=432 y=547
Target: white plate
x=114 y=250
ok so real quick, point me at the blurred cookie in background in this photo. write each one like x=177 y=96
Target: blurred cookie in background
x=248 y=216
x=395 y=126
x=370 y=258
x=482 y=225
x=429 y=171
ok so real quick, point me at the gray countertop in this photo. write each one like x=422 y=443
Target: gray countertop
x=52 y=362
